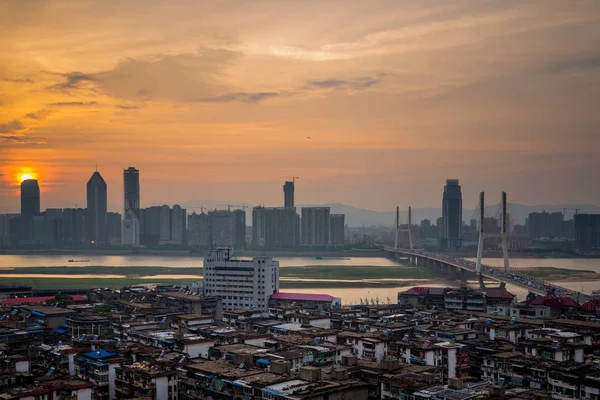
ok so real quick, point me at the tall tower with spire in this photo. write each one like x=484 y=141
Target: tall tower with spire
x=96 y=209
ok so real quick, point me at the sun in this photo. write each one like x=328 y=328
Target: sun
x=24 y=177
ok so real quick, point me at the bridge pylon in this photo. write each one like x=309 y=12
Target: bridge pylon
x=482 y=234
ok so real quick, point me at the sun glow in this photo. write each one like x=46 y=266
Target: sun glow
x=24 y=177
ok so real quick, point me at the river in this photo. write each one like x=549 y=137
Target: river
x=349 y=295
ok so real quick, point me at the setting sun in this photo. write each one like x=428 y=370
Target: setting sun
x=24 y=177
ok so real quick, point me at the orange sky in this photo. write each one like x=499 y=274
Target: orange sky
x=217 y=100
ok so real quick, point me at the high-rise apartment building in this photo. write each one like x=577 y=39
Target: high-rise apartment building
x=113 y=228
x=338 y=229
x=222 y=228
x=178 y=227
x=316 y=226
x=96 y=209
x=30 y=198
x=240 y=229
x=198 y=230
x=73 y=226
x=545 y=225
x=163 y=225
x=451 y=235
x=587 y=231
x=288 y=194
x=242 y=284
x=150 y=226
x=274 y=227
x=131 y=182
x=130 y=233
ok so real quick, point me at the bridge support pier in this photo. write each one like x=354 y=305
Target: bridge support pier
x=452 y=272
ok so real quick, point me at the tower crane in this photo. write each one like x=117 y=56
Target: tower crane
x=570 y=209
x=242 y=206
x=293 y=178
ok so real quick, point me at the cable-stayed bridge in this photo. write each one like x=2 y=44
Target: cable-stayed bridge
x=458 y=267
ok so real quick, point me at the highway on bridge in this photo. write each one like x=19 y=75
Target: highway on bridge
x=533 y=284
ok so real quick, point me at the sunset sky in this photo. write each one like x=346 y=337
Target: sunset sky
x=371 y=103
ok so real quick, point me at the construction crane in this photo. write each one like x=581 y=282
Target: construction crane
x=202 y=208
x=293 y=178
x=570 y=209
x=242 y=206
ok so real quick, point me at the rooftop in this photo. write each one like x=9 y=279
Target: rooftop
x=303 y=297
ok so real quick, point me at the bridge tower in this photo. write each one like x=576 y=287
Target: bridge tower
x=396 y=228
x=410 y=239
x=482 y=234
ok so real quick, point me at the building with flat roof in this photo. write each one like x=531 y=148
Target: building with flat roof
x=587 y=231
x=451 y=235
x=131 y=183
x=316 y=226
x=242 y=284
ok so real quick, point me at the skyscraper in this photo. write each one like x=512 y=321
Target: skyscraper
x=131 y=181
x=288 y=194
x=30 y=198
x=451 y=236
x=96 y=209
x=338 y=229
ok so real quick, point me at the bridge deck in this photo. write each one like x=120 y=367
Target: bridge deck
x=533 y=284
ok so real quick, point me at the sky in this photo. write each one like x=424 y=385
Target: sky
x=371 y=103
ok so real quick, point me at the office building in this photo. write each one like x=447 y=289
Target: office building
x=545 y=225
x=315 y=226
x=96 y=209
x=242 y=284
x=338 y=229
x=587 y=231
x=451 y=236
x=113 y=228
x=198 y=230
x=288 y=194
x=131 y=229
x=131 y=181
x=30 y=198
x=274 y=227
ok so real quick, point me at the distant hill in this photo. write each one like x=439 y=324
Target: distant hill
x=356 y=217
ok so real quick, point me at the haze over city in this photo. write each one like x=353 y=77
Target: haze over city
x=372 y=104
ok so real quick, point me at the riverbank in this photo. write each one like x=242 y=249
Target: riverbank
x=560 y=274
x=169 y=252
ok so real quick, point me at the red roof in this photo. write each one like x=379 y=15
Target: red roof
x=591 y=305
x=302 y=297
x=425 y=291
x=554 y=301
x=496 y=293
x=40 y=299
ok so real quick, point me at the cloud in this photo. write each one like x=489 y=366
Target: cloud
x=11 y=127
x=38 y=115
x=74 y=103
x=21 y=139
x=169 y=76
x=351 y=84
x=74 y=80
x=238 y=97
x=24 y=80
x=128 y=106
x=583 y=63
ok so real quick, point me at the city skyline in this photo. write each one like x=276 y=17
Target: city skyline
x=385 y=97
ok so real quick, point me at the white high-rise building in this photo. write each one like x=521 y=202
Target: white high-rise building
x=130 y=233
x=242 y=284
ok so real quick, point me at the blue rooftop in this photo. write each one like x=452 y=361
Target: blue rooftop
x=99 y=354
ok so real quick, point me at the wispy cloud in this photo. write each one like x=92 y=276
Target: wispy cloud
x=38 y=115
x=18 y=80
x=74 y=103
x=73 y=80
x=128 y=106
x=11 y=127
x=348 y=84
x=242 y=97
x=583 y=63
